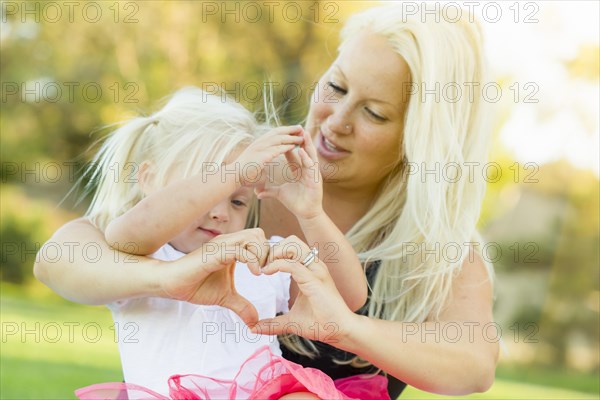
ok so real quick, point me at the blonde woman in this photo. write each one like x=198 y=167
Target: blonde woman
x=427 y=321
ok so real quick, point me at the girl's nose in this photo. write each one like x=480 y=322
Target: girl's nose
x=219 y=213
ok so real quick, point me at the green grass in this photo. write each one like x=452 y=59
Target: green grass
x=508 y=390
x=52 y=366
x=51 y=347
x=552 y=377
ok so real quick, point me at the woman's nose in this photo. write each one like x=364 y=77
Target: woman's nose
x=340 y=120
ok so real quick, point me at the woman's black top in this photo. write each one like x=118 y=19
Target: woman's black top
x=324 y=360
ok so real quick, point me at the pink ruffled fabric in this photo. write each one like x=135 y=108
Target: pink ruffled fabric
x=263 y=376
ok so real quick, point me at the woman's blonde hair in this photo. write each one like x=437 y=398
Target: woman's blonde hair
x=422 y=228
x=193 y=130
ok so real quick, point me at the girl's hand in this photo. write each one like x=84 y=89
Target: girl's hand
x=319 y=312
x=205 y=276
x=249 y=246
x=253 y=160
x=302 y=190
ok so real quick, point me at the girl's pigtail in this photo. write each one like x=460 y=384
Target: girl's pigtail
x=113 y=173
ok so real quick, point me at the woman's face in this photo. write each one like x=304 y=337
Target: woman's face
x=357 y=113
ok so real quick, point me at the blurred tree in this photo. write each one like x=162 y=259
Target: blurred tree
x=575 y=275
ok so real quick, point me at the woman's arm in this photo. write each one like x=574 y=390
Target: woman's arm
x=454 y=356
x=339 y=256
x=87 y=270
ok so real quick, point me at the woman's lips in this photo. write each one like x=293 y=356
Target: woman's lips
x=329 y=150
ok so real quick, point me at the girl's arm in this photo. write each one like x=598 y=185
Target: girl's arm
x=166 y=212
x=302 y=194
x=456 y=355
x=163 y=214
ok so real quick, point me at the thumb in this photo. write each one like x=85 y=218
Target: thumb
x=272 y=326
x=242 y=307
x=271 y=192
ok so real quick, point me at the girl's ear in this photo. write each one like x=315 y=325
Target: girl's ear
x=145 y=177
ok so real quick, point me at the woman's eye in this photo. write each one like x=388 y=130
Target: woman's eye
x=336 y=88
x=238 y=203
x=375 y=115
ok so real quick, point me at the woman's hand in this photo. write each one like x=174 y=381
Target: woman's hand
x=319 y=312
x=302 y=190
x=251 y=163
x=206 y=276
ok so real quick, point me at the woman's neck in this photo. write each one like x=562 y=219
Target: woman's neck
x=345 y=206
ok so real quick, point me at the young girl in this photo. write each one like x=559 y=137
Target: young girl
x=196 y=161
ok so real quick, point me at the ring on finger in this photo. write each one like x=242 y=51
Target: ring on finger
x=310 y=257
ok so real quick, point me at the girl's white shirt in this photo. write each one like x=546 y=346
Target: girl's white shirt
x=161 y=337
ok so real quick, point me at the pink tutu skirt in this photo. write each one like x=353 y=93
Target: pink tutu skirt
x=263 y=376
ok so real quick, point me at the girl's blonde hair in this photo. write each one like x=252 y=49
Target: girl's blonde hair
x=192 y=134
x=422 y=229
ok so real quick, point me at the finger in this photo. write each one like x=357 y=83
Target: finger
x=310 y=148
x=295 y=140
x=277 y=150
x=311 y=167
x=264 y=255
x=299 y=272
x=242 y=307
x=287 y=130
x=210 y=257
x=260 y=187
x=257 y=234
x=248 y=257
x=271 y=326
x=283 y=134
x=259 y=246
x=307 y=162
x=237 y=249
x=292 y=157
x=290 y=248
x=272 y=192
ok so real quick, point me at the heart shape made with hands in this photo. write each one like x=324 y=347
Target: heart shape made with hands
x=187 y=282
x=214 y=284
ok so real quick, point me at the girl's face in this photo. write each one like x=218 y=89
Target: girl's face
x=228 y=216
x=357 y=113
